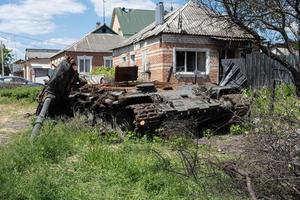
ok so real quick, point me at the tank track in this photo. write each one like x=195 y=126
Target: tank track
x=147 y=117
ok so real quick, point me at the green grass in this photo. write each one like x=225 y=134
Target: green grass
x=286 y=103
x=25 y=94
x=70 y=160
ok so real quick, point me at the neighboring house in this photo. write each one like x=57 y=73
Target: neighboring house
x=183 y=45
x=17 y=68
x=127 y=22
x=93 y=50
x=37 y=64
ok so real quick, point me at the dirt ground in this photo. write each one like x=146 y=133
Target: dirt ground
x=14 y=118
x=226 y=144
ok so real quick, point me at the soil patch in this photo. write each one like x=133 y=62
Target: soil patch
x=14 y=119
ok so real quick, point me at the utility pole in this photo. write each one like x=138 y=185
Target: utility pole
x=2 y=57
x=103 y=11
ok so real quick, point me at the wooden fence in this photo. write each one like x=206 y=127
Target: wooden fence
x=260 y=70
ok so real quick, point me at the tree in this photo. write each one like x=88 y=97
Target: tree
x=270 y=22
x=7 y=58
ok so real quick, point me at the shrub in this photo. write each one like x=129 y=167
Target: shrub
x=108 y=72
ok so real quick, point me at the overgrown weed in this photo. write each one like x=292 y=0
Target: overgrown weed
x=71 y=160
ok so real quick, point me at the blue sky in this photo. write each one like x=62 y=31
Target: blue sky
x=57 y=23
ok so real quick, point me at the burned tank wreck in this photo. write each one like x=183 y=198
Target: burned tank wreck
x=128 y=105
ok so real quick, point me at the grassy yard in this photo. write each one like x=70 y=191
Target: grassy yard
x=72 y=161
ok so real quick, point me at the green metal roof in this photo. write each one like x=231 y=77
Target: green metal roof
x=133 y=20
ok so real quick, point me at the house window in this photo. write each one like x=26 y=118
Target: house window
x=124 y=58
x=190 y=61
x=132 y=60
x=84 y=64
x=108 y=61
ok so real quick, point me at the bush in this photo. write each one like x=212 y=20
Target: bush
x=108 y=72
x=21 y=93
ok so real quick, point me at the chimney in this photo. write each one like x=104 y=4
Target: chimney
x=159 y=13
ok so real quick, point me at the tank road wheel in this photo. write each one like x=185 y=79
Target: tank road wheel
x=123 y=123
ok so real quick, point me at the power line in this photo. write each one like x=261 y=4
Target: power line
x=33 y=39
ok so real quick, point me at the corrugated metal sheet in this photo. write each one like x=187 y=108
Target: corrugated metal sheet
x=40 y=53
x=95 y=42
x=191 y=19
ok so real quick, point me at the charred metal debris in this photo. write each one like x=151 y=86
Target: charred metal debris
x=133 y=106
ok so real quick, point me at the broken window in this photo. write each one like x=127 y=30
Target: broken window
x=191 y=61
x=84 y=64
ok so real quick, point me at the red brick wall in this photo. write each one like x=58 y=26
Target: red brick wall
x=160 y=58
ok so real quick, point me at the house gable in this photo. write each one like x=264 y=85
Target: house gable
x=104 y=29
x=115 y=25
x=131 y=21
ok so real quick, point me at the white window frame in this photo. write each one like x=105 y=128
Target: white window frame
x=84 y=58
x=207 y=65
x=105 y=58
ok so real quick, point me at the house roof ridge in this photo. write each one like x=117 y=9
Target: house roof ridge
x=195 y=20
x=68 y=47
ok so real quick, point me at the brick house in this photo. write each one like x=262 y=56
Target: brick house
x=185 y=45
x=93 y=50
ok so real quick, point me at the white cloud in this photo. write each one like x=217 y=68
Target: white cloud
x=55 y=42
x=35 y=16
x=18 y=47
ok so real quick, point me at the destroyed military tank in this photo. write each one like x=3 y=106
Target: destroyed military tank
x=127 y=105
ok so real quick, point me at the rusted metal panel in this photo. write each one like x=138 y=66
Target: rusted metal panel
x=129 y=73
